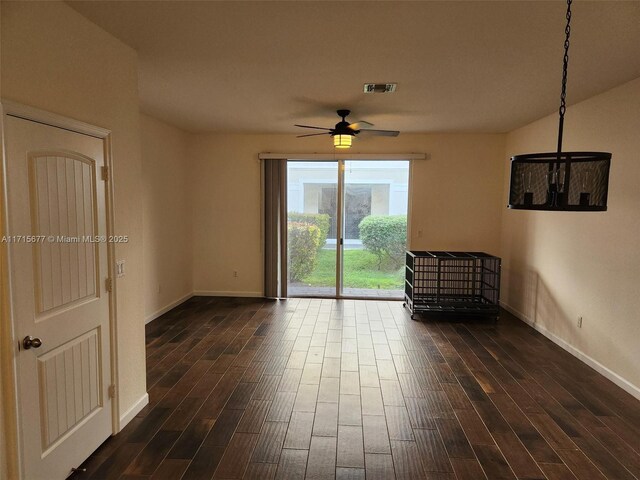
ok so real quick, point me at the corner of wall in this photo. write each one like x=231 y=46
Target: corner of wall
x=136 y=408
x=597 y=366
x=167 y=212
x=558 y=266
x=96 y=84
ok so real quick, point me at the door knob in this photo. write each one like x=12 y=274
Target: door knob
x=31 y=342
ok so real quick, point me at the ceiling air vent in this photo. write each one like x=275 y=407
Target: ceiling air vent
x=380 y=87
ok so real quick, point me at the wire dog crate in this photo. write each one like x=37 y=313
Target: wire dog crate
x=452 y=282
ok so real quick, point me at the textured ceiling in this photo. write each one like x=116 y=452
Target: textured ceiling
x=460 y=66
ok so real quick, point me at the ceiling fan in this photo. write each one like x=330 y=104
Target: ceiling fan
x=344 y=131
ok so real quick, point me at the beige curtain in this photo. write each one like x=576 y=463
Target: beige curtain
x=275 y=228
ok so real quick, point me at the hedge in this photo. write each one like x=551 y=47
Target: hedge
x=304 y=241
x=385 y=236
x=320 y=220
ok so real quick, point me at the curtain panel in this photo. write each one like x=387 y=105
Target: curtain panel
x=275 y=227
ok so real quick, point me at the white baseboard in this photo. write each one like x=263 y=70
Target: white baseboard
x=134 y=410
x=166 y=308
x=201 y=293
x=623 y=383
x=212 y=293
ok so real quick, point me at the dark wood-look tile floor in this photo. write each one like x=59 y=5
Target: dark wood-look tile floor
x=323 y=389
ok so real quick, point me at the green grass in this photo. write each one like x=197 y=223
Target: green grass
x=360 y=271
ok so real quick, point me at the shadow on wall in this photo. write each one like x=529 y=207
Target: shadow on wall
x=531 y=298
x=547 y=311
x=524 y=289
x=514 y=245
x=521 y=288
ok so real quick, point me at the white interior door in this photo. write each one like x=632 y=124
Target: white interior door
x=56 y=200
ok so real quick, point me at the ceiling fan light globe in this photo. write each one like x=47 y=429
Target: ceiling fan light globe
x=342 y=141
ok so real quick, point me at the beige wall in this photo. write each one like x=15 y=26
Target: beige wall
x=166 y=222
x=561 y=265
x=456 y=198
x=56 y=60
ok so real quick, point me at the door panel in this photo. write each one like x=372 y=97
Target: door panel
x=70 y=390
x=63 y=195
x=377 y=191
x=312 y=196
x=59 y=294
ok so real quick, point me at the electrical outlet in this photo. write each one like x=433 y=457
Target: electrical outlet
x=235 y=273
x=579 y=322
x=420 y=233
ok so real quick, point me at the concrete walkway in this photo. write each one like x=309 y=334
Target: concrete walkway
x=300 y=289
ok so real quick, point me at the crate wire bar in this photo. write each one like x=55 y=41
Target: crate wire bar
x=452 y=282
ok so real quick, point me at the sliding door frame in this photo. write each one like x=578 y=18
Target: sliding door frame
x=340 y=160
x=341 y=202
x=339 y=229
x=339 y=187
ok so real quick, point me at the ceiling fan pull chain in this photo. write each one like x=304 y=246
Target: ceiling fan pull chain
x=565 y=63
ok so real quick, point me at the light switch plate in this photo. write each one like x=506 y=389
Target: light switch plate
x=119 y=268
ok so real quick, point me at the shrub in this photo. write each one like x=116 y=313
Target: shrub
x=304 y=241
x=385 y=236
x=320 y=220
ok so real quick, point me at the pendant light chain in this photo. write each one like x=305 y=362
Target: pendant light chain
x=565 y=63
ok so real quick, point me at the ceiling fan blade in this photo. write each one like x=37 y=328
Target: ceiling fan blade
x=381 y=133
x=309 y=126
x=360 y=125
x=313 y=134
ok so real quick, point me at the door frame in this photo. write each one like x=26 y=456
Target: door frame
x=9 y=389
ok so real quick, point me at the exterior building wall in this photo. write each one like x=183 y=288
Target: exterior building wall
x=380 y=199
x=388 y=194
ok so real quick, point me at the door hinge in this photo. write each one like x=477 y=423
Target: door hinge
x=105 y=173
x=108 y=284
x=112 y=391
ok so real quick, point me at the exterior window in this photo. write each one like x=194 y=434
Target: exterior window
x=358 y=200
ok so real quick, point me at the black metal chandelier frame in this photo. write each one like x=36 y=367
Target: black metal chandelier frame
x=560 y=181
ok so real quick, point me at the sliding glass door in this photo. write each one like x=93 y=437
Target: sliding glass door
x=347 y=228
x=375 y=228
x=312 y=228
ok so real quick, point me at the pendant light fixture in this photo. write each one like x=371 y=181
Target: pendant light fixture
x=562 y=181
x=342 y=141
